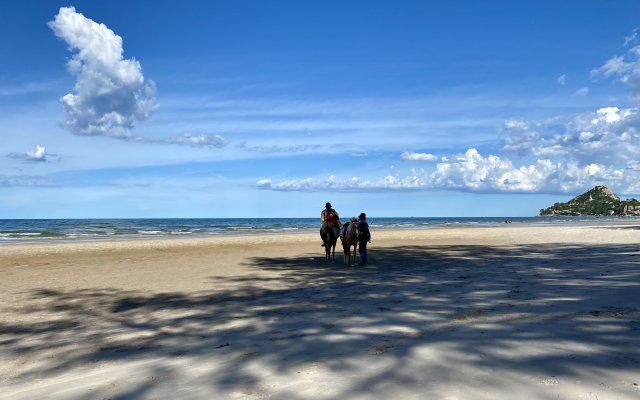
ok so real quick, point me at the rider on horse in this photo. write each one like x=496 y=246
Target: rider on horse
x=329 y=218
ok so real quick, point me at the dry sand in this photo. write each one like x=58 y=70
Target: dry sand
x=536 y=312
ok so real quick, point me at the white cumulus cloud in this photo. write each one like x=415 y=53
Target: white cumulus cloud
x=39 y=154
x=610 y=115
x=264 y=183
x=469 y=171
x=609 y=135
x=110 y=91
x=410 y=156
x=472 y=171
x=515 y=123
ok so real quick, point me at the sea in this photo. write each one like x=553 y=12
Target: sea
x=38 y=230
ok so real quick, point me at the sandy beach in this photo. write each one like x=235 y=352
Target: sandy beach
x=527 y=312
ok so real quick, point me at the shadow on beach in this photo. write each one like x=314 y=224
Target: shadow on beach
x=423 y=313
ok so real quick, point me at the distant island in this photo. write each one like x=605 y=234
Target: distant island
x=598 y=201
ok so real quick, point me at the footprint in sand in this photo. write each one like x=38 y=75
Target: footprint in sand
x=550 y=381
x=381 y=348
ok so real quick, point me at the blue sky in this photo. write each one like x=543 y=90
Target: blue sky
x=270 y=109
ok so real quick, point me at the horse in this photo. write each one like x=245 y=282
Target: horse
x=329 y=235
x=349 y=239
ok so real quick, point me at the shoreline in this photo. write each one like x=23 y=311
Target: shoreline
x=63 y=231
x=501 y=235
x=270 y=233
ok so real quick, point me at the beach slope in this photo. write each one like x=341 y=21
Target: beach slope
x=537 y=312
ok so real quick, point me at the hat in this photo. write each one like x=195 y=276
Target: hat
x=363 y=216
x=354 y=219
x=328 y=205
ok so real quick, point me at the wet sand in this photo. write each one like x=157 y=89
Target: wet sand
x=535 y=312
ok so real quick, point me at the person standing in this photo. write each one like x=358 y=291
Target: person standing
x=364 y=238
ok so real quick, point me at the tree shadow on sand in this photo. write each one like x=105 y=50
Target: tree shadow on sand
x=384 y=326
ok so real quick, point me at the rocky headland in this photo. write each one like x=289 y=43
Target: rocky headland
x=598 y=201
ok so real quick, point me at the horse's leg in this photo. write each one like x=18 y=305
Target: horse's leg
x=354 y=252
x=346 y=249
x=327 y=250
x=347 y=255
x=344 y=255
x=330 y=247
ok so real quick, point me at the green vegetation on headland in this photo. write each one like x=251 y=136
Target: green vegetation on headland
x=597 y=201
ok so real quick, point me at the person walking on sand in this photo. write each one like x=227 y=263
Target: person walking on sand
x=330 y=219
x=364 y=238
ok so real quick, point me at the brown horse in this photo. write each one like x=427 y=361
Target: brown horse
x=329 y=235
x=349 y=239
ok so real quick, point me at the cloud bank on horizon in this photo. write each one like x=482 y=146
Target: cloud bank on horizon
x=571 y=152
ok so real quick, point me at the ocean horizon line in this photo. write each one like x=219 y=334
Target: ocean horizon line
x=394 y=216
x=55 y=229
